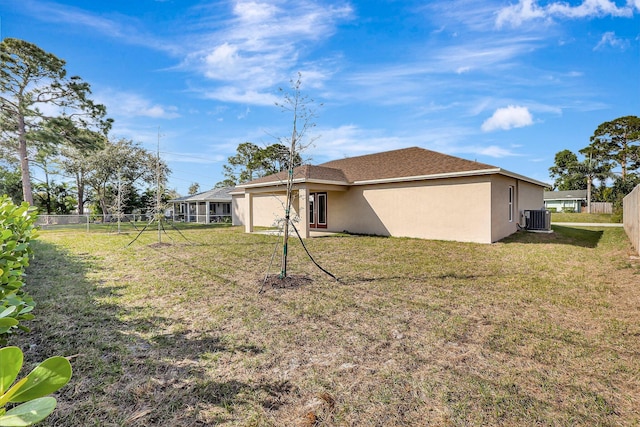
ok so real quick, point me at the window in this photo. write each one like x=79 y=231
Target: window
x=322 y=209
x=312 y=209
x=511 y=194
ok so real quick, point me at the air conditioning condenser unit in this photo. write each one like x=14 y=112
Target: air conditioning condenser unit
x=537 y=220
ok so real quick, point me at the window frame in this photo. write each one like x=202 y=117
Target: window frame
x=511 y=202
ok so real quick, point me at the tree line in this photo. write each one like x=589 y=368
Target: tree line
x=66 y=160
x=610 y=164
x=49 y=122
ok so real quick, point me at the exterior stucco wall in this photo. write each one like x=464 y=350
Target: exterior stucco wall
x=530 y=197
x=267 y=208
x=631 y=217
x=466 y=209
x=452 y=209
x=526 y=197
x=237 y=210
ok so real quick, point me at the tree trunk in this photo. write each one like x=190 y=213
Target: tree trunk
x=287 y=217
x=588 y=194
x=48 y=190
x=80 y=187
x=27 y=194
x=103 y=203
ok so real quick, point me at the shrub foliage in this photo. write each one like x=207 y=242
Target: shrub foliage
x=16 y=230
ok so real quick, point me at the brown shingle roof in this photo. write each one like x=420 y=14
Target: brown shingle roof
x=404 y=163
x=307 y=172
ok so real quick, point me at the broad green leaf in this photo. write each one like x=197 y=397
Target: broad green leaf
x=7 y=322
x=24 y=310
x=10 y=365
x=7 y=311
x=28 y=413
x=21 y=247
x=45 y=378
x=5 y=398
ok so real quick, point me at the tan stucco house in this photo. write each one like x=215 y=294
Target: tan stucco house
x=410 y=192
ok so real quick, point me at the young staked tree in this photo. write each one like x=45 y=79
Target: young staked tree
x=300 y=107
x=31 y=78
x=123 y=159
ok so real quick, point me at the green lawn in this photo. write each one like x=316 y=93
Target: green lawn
x=536 y=330
x=580 y=217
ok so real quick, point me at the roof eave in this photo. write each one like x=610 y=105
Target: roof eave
x=445 y=175
x=523 y=178
x=428 y=177
x=295 y=181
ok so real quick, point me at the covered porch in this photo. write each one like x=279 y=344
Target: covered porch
x=208 y=207
x=310 y=204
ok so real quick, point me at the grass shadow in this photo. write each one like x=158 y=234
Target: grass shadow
x=561 y=235
x=127 y=369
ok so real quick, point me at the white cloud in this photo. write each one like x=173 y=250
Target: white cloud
x=589 y=8
x=254 y=12
x=527 y=10
x=193 y=157
x=515 y=14
x=261 y=45
x=508 y=118
x=488 y=151
x=238 y=95
x=127 y=105
x=609 y=39
x=495 y=151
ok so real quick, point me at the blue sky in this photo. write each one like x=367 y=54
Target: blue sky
x=508 y=83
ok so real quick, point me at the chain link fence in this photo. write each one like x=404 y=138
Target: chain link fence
x=111 y=223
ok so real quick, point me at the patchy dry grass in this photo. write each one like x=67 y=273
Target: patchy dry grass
x=535 y=330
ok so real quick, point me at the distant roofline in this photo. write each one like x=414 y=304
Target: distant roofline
x=219 y=195
x=565 y=195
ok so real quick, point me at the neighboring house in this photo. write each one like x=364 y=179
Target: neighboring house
x=208 y=206
x=411 y=192
x=560 y=201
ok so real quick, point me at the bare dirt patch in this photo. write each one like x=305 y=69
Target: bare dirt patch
x=274 y=281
